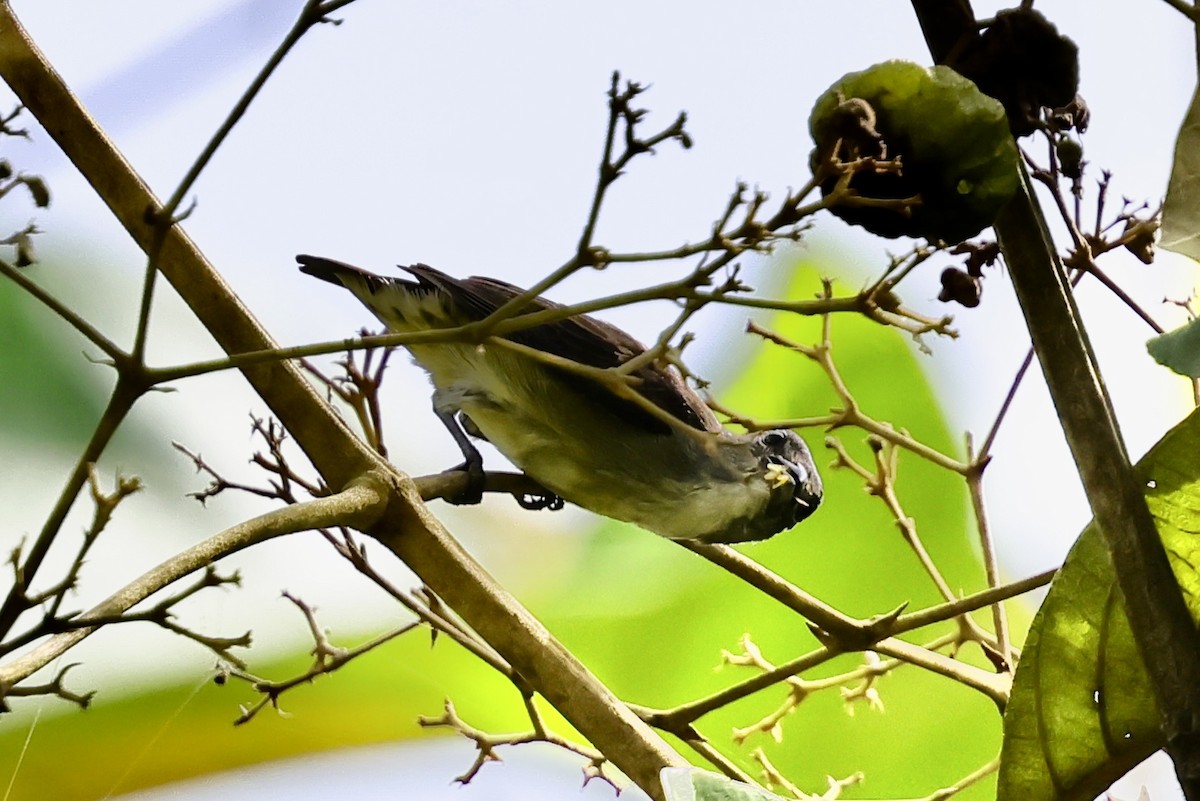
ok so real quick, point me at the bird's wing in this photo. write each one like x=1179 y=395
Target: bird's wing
x=581 y=338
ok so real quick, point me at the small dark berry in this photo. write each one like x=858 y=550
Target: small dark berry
x=960 y=287
x=979 y=255
x=1075 y=115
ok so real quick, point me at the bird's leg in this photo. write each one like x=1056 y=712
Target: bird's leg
x=460 y=426
x=530 y=500
x=472 y=460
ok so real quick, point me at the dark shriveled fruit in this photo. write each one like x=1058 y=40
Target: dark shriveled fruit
x=953 y=143
x=960 y=287
x=1025 y=63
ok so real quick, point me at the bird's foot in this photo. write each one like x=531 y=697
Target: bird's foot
x=472 y=493
x=538 y=501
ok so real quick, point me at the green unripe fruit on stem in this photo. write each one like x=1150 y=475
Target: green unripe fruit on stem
x=1070 y=157
x=952 y=141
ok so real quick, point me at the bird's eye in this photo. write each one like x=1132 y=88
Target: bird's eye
x=773 y=439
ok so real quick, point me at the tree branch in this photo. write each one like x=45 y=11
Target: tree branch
x=408 y=528
x=357 y=505
x=1164 y=630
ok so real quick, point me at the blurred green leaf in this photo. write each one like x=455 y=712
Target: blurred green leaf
x=186 y=730
x=649 y=618
x=1181 y=209
x=1178 y=349
x=47 y=396
x=1082 y=711
x=652 y=619
x=54 y=386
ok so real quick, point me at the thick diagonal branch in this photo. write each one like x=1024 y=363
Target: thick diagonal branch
x=407 y=527
x=357 y=504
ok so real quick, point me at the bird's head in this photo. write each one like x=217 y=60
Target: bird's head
x=786 y=464
x=776 y=486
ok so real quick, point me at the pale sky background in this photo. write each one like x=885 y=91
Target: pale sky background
x=466 y=135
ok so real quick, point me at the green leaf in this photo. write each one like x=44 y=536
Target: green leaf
x=1082 y=711
x=693 y=784
x=1181 y=210
x=1179 y=349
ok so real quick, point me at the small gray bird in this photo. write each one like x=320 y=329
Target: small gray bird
x=677 y=472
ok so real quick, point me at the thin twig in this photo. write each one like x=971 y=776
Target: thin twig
x=677 y=719
x=1185 y=8
x=991 y=563
x=119 y=404
x=357 y=505
x=327 y=658
x=849 y=414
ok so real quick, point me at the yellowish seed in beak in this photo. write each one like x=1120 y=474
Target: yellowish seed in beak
x=778 y=476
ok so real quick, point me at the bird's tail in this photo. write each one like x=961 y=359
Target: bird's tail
x=402 y=305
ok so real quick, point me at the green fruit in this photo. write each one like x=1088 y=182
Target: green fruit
x=1070 y=157
x=953 y=142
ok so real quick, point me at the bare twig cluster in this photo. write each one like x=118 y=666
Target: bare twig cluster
x=327 y=658
x=486 y=744
x=749 y=223
x=744 y=226
x=49 y=601
x=775 y=780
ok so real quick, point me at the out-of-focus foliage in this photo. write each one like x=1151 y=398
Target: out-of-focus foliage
x=46 y=396
x=649 y=618
x=1179 y=349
